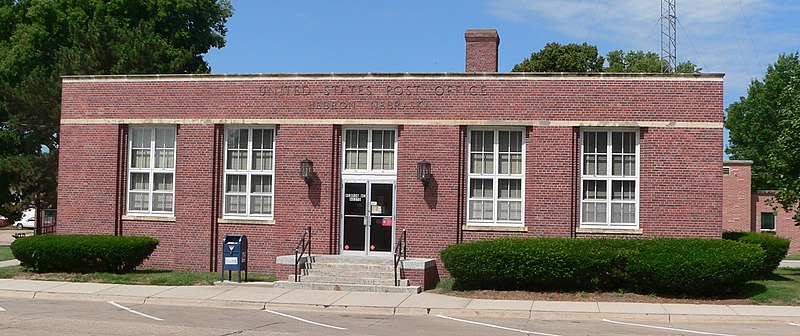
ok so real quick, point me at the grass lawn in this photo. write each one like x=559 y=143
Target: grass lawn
x=781 y=289
x=143 y=277
x=792 y=257
x=5 y=253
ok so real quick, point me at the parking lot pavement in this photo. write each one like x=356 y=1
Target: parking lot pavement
x=7 y=235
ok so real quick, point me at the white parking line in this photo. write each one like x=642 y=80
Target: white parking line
x=495 y=326
x=666 y=328
x=135 y=312
x=2 y=310
x=304 y=320
x=795 y=324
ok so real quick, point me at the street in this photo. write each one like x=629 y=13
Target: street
x=63 y=317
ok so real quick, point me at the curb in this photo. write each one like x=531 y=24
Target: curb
x=399 y=311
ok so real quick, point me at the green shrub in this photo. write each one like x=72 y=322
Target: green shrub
x=82 y=253
x=692 y=266
x=536 y=264
x=775 y=248
x=664 y=266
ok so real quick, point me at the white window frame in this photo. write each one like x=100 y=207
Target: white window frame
x=370 y=150
x=249 y=172
x=609 y=179
x=151 y=171
x=495 y=177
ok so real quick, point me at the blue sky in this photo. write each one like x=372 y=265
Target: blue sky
x=736 y=37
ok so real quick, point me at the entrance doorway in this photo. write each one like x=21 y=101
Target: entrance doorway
x=368 y=217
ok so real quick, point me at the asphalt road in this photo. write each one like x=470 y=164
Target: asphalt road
x=51 y=317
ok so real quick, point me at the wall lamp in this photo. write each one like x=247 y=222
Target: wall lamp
x=424 y=172
x=307 y=170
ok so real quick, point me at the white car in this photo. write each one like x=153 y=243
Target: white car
x=28 y=220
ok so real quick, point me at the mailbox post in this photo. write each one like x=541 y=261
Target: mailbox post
x=234 y=256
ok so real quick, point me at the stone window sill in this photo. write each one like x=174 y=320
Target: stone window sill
x=246 y=221
x=610 y=231
x=495 y=228
x=148 y=218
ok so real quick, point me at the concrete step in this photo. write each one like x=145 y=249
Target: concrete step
x=345 y=259
x=385 y=274
x=347 y=287
x=350 y=267
x=350 y=280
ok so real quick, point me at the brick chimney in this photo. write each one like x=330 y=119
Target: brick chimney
x=482 y=50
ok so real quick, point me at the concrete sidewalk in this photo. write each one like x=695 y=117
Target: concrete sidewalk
x=261 y=296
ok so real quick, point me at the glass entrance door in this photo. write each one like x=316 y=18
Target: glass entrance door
x=368 y=223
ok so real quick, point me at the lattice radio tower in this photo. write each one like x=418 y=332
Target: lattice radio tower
x=669 y=59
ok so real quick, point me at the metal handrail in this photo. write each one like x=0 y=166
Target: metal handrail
x=298 y=253
x=399 y=249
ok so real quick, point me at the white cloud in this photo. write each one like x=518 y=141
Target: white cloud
x=737 y=37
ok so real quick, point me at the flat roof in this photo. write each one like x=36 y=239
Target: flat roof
x=405 y=75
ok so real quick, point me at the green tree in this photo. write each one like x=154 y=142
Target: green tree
x=41 y=40
x=645 y=62
x=555 y=57
x=765 y=128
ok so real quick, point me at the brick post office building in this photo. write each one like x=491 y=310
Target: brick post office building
x=190 y=158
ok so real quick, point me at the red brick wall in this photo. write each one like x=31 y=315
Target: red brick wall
x=784 y=221
x=681 y=187
x=681 y=183
x=86 y=175
x=737 y=206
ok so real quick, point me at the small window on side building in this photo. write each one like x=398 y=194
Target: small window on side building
x=768 y=221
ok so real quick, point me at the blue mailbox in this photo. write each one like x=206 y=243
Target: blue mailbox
x=234 y=256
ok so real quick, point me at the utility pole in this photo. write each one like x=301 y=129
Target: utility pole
x=669 y=58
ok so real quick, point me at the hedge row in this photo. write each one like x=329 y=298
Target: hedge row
x=82 y=253
x=775 y=248
x=662 y=266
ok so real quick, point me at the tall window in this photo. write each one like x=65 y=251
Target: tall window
x=249 y=172
x=151 y=170
x=767 y=221
x=369 y=150
x=610 y=179
x=496 y=175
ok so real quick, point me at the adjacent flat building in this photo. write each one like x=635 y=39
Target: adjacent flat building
x=361 y=158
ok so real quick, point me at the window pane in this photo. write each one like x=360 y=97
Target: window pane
x=388 y=139
x=616 y=142
x=236 y=183
x=767 y=221
x=165 y=138
x=165 y=158
x=262 y=139
x=476 y=141
x=377 y=160
x=237 y=138
x=261 y=205
x=162 y=182
x=509 y=189
x=140 y=158
x=602 y=142
x=363 y=138
x=237 y=159
x=262 y=160
x=503 y=140
x=362 y=159
x=630 y=165
x=140 y=181
x=261 y=183
x=138 y=201
x=516 y=142
x=140 y=137
x=481 y=188
x=630 y=143
x=388 y=160
x=476 y=164
x=589 y=164
x=589 y=142
x=504 y=163
x=616 y=165
x=162 y=202
x=594 y=189
x=236 y=204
